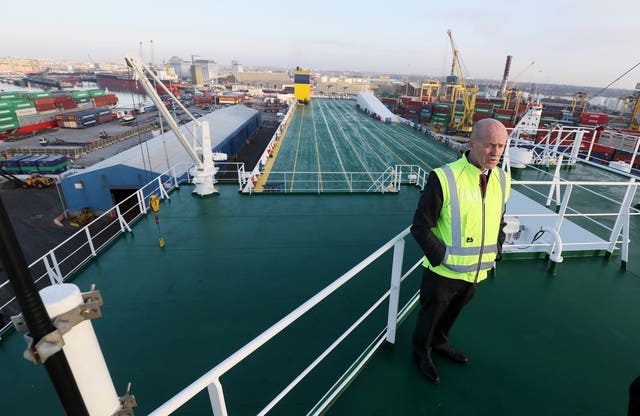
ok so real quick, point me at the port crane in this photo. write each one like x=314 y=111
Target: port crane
x=634 y=123
x=460 y=90
x=201 y=155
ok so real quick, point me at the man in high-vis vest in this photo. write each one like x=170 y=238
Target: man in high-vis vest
x=458 y=224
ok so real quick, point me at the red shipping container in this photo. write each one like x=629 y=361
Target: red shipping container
x=44 y=101
x=111 y=99
x=503 y=111
x=480 y=116
x=69 y=105
x=45 y=107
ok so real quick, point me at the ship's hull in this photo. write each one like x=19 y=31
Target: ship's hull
x=124 y=83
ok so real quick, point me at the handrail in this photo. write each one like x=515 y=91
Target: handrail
x=211 y=379
x=212 y=376
x=96 y=236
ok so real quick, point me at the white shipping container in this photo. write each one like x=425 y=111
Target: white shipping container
x=26 y=111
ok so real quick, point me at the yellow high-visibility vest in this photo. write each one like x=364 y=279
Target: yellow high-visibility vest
x=468 y=225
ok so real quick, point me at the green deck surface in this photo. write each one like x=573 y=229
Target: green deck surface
x=335 y=139
x=234 y=264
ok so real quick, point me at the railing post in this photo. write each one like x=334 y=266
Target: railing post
x=563 y=207
x=623 y=220
x=53 y=271
x=175 y=177
x=123 y=223
x=555 y=184
x=141 y=203
x=90 y=241
x=394 y=290
x=163 y=192
x=216 y=396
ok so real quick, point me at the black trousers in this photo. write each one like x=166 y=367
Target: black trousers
x=442 y=299
x=634 y=398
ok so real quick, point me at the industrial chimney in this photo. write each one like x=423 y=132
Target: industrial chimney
x=505 y=77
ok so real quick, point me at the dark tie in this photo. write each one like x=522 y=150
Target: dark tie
x=483 y=184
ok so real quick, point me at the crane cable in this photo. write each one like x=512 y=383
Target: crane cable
x=615 y=80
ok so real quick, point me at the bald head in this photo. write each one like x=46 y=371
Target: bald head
x=487 y=143
x=488 y=127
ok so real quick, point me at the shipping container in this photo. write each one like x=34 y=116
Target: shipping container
x=503 y=111
x=30 y=164
x=6 y=112
x=480 y=116
x=53 y=164
x=38 y=94
x=8 y=119
x=12 y=164
x=79 y=94
x=9 y=95
x=483 y=110
x=9 y=126
x=21 y=104
x=96 y=93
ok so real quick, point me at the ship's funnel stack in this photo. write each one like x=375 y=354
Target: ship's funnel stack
x=505 y=77
x=302 y=86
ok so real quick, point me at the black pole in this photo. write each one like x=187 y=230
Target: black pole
x=36 y=317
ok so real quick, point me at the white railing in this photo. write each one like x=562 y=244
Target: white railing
x=249 y=179
x=560 y=193
x=321 y=182
x=390 y=180
x=211 y=379
x=61 y=262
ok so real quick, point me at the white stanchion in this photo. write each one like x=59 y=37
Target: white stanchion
x=83 y=352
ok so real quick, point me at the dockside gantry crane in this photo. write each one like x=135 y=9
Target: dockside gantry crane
x=457 y=89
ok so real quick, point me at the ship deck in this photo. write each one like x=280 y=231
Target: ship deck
x=234 y=264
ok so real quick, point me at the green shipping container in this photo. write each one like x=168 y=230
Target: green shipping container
x=9 y=95
x=8 y=119
x=96 y=93
x=442 y=105
x=6 y=104
x=502 y=116
x=484 y=110
x=9 y=126
x=39 y=94
x=6 y=112
x=23 y=104
x=79 y=94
